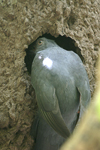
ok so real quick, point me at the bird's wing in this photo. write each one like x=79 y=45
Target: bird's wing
x=49 y=109
x=85 y=96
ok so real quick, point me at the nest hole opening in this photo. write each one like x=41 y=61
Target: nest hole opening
x=66 y=43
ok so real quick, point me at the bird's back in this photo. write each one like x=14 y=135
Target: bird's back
x=64 y=71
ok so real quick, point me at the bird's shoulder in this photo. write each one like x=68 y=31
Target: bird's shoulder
x=55 y=60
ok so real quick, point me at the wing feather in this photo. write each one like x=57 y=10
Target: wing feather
x=49 y=109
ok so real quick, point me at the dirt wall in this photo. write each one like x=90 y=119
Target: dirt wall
x=21 y=23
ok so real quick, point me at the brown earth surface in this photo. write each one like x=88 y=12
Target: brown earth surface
x=21 y=23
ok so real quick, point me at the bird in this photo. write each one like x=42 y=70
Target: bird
x=62 y=89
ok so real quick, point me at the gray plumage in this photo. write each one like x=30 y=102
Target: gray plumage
x=62 y=88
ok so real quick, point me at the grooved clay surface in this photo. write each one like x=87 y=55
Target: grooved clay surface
x=21 y=23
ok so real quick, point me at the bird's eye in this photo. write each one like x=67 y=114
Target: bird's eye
x=40 y=42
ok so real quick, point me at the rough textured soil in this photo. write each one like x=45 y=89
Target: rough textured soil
x=21 y=23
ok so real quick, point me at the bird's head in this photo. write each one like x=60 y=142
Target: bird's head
x=43 y=43
x=38 y=45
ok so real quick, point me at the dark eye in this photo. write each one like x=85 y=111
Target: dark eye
x=40 y=42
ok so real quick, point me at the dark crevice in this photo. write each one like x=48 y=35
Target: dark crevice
x=65 y=42
x=29 y=57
